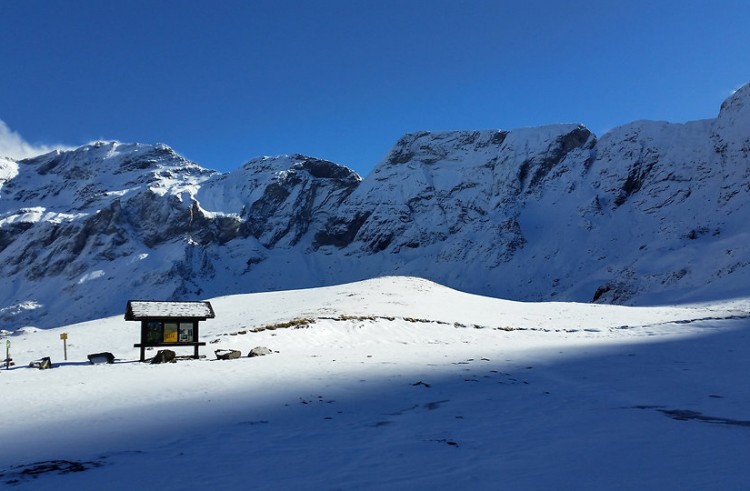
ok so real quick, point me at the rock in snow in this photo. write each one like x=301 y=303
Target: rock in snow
x=259 y=351
x=650 y=212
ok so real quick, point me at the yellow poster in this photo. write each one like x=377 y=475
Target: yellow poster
x=170 y=332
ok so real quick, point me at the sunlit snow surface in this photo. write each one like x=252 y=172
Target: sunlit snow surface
x=395 y=383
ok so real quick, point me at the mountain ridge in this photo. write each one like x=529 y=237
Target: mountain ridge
x=649 y=212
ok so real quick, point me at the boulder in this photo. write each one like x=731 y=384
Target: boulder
x=101 y=358
x=164 y=356
x=41 y=363
x=259 y=351
x=227 y=354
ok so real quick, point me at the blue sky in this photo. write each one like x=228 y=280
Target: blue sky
x=225 y=81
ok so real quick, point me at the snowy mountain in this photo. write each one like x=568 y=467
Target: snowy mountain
x=650 y=212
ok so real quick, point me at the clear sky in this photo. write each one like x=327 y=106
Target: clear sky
x=225 y=81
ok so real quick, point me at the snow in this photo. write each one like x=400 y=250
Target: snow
x=393 y=383
x=91 y=276
x=119 y=193
x=8 y=170
x=138 y=309
x=23 y=306
x=37 y=214
x=82 y=180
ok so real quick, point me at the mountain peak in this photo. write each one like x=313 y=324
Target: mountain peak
x=733 y=122
x=323 y=169
x=738 y=101
x=430 y=147
x=315 y=167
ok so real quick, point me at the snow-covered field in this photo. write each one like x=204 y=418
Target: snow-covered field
x=394 y=383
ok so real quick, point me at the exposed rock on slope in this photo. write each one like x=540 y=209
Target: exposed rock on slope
x=651 y=211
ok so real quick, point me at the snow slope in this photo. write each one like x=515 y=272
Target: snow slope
x=392 y=383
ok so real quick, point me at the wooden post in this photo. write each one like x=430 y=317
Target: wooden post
x=64 y=337
x=195 y=339
x=143 y=340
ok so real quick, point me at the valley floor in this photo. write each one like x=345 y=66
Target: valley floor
x=393 y=383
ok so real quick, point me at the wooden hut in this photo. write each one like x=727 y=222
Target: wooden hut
x=168 y=324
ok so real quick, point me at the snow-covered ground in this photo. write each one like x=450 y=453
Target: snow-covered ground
x=392 y=383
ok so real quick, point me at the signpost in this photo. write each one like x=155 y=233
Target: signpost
x=64 y=337
x=7 y=354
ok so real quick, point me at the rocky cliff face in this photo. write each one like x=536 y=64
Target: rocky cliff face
x=442 y=189
x=650 y=212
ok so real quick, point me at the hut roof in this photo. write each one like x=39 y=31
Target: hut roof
x=152 y=309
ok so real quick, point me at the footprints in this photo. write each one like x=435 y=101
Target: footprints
x=253 y=423
x=690 y=415
x=504 y=378
x=381 y=423
x=20 y=473
x=436 y=406
x=443 y=440
x=431 y=406
x=313 y=400
x=469 y=360
x=687 y=415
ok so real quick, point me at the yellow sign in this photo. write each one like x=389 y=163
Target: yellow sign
x=170 y=332
x=64 y=336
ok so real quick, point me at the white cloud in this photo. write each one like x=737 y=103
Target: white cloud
x=14 y=146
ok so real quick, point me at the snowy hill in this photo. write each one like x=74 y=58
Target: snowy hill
x=651 y=212
x=394 y=383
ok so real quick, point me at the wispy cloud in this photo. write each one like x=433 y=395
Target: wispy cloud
x=14 y=146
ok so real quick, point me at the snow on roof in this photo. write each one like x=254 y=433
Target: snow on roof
x=151 y=309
